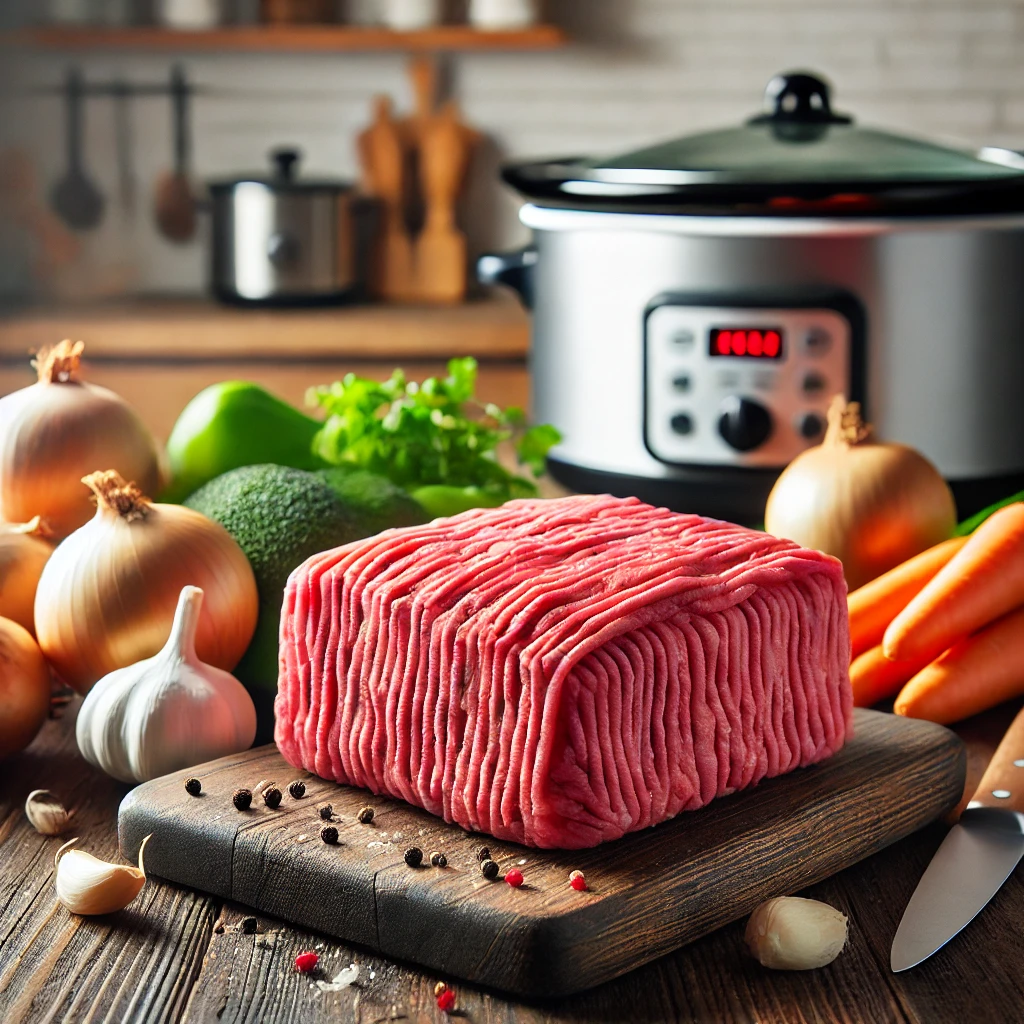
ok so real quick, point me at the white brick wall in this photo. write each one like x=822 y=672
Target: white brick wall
x=639 y=70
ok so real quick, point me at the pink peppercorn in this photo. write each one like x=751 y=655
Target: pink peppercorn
x=446 y=1001
x=578 y=882
x=514 y=878
x=305 y=962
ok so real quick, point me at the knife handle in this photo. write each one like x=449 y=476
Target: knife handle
x=1002 y=785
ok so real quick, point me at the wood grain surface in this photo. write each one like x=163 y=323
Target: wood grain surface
x=174 y=949
x=649 y=893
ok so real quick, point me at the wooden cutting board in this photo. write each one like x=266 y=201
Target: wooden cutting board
x=648 y=893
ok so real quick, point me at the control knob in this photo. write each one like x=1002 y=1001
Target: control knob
x=744 y=423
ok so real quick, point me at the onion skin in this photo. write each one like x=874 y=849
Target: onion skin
x=57 y=430
x=24 y=688
x=108 y=594
x=871 y=505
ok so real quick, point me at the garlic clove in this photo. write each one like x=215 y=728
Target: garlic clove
x=793 y=934
x=45 y=813
x=88 y=886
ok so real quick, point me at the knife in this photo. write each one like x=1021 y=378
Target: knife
x=974 y=860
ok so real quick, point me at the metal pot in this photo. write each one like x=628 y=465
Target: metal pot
x=282 y=240
x=697 y=304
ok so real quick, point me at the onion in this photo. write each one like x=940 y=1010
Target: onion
x=107 y=596
x=59 y=429
x=870 y=504
x=24 y=688
x=24 y=550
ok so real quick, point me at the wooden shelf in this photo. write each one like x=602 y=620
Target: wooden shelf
x=196 y=330
x=325 y=38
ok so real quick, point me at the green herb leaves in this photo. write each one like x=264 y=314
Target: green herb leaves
x=422 y=435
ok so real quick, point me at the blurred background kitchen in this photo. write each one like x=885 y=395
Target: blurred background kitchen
x=102 y=245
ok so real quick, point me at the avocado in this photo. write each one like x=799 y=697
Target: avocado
x=280 y=517
x=379 y=503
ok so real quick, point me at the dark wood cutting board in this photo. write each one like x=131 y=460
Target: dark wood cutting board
x=649 y=893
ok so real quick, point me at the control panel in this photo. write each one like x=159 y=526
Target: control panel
x=741 y=386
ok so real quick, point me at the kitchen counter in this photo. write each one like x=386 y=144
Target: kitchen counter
x=177 y=954
x=158 y=353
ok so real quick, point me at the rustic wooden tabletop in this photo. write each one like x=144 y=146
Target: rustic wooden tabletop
x=176 y=954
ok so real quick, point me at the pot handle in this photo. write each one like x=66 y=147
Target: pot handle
x=513 y=269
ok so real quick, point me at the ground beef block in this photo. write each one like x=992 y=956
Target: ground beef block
x=560 y=673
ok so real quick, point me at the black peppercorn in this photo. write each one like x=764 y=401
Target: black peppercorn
x=272 y=797
x=329 y=834
x=483 y=854
x=193 y=787
x=414 y=856
x=439 y=860
x=297 y=789
x=242 y=799
x=366 y=815
x=249 y=925
x=489 y=869
x=326 y=811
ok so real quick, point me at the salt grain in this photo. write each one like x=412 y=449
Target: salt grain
x=345 y=977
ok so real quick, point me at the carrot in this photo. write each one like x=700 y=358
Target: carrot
x=876 y=604
x=976 y=674
x=875 y=677
x=981 y=582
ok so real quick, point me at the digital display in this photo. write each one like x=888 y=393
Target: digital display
x=747 y=342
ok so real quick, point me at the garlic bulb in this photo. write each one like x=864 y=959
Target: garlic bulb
x=60 y=428
x=107 y=595
x=168 y=712
x=87 y=885
x=45 y=813
x=793 y=934
x=24 y=549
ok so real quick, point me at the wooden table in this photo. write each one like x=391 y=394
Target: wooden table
x=175 y=954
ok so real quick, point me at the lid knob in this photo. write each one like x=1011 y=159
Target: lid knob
x=286 y=161
x=799 y=98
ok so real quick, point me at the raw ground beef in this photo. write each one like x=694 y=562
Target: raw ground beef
x=559 y=673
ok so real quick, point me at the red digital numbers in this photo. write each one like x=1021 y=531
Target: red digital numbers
x=756 y=343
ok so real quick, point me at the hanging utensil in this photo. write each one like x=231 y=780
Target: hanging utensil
x=126 y=183
x=74 y=198
x=174 y=201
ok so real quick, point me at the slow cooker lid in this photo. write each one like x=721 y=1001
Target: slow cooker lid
x=797 y=156
x=284 y=177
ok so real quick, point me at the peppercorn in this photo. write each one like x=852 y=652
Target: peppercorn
x=249 y=925
x=489 y=869
x=242 y=799
x=193 y=787
x=514 y=878
x=439 y=860
x=272 y=797
x=329 y=834
x=577 y=881
x=446 y=1001
x=366 y=815
x=297 y=789
x=414 y=856
x=483 y=854
x=326 y=811
x=306 y=962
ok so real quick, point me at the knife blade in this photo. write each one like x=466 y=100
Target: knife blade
x=974 y=860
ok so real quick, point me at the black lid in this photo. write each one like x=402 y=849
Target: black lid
x=284 y=177
x=798 y=158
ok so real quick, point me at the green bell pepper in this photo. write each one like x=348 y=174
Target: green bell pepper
x=440 y=500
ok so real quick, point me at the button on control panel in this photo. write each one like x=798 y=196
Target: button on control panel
x=741 y=386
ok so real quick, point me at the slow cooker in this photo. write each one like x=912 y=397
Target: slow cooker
x=697 y=303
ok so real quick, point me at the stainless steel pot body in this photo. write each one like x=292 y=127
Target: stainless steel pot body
x=283 y=243
x=925 y=321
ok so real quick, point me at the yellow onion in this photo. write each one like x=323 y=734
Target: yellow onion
x=24 y=688
x=59 y=429
x=24 y=550
x=107 y=596
x=873 y=505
